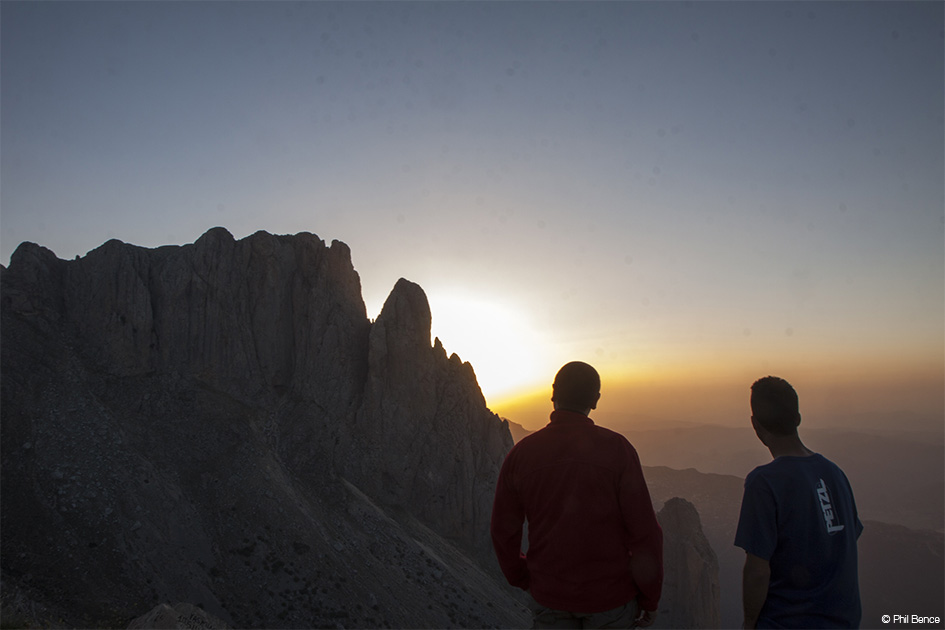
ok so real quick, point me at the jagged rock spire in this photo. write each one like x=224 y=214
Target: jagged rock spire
x=691 y=596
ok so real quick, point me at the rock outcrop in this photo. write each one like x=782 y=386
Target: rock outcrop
x=424 y=425
x=221 y=424
x=691 y=570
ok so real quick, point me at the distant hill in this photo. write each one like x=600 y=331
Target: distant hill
x=896 y=478
x=517 y=430
x=900 y=569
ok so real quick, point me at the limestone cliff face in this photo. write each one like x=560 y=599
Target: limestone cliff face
x=221 y=424
x=691 y=570
x=265 y=315
x=423 y=423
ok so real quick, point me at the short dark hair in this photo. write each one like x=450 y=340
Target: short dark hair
x=774 y=405
x=576 y=386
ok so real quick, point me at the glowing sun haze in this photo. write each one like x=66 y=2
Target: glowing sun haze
x=506 y=353
x=686 y=195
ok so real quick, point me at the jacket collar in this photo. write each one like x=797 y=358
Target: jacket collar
x=560 y=416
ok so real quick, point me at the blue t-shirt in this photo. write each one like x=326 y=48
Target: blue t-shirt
x=798 y=513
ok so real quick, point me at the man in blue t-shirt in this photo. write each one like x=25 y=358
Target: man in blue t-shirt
x=798 y=526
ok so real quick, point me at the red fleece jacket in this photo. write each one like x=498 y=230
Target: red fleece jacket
x=593 y=540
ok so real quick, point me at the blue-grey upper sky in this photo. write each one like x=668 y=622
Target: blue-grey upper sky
x=647 y=185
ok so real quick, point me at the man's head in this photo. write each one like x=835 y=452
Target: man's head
x=774 y=406
x=576 y=387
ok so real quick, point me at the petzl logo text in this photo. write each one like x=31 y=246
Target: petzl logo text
x=827 y=507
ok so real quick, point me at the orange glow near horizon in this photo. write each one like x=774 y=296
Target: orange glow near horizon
x=829 y=396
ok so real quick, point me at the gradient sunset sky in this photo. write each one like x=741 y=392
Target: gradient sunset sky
x=687 y=195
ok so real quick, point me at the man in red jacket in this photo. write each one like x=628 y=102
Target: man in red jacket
x=595 y=548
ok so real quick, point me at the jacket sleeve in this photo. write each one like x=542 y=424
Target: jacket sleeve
x=508 y=516
x=646 y=535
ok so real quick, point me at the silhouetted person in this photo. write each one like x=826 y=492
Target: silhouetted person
x=798 y=526
x=595 y=549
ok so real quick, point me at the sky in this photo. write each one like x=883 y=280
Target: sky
x=688 y=196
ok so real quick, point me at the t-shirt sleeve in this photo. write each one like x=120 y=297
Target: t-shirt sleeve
x=857 y=525
x=757 y=531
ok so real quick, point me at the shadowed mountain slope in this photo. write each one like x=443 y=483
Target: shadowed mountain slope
x=220 y=424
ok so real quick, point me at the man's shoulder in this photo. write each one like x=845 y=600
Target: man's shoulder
x=829 y=467
x=609 y=434
x=786 y=467
x=763 y=469
x=533 y=440
x=768 y=473
x=758 y=474
x=814 y=460
x=615 y=438
x=548 y=435
x=828 y=463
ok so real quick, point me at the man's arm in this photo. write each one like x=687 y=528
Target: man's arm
x=646 y=535
x=757 y=534
x=755 y=578
x=646 y=567
x=508 y=516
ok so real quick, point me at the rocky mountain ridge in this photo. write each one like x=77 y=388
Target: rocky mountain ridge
x=179 y=421
x=220 y=424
